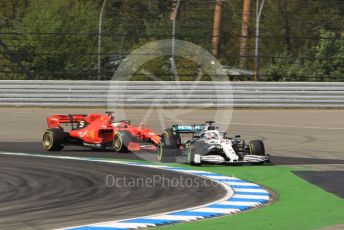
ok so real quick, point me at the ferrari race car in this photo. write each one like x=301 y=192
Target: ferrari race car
x=97 y=131
x=208 y=145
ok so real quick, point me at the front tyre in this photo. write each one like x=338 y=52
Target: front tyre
x=167 y=155
x=121 y=141
x=256 y=147
x=53 y=139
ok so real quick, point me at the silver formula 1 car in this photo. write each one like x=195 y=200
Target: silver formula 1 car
x=208 y=145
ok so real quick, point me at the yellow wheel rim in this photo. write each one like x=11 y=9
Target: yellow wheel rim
x=160 y=152
x=48 y=140
x=118 y=143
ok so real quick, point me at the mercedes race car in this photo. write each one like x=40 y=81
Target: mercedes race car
x=97 y=131
x=208 y=145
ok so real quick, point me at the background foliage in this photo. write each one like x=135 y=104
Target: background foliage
x=57 y=39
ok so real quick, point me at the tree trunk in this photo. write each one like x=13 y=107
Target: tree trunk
x=244 y=33
x=217 y=27
x=283 y=5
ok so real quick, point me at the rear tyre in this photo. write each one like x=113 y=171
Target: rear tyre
x=171 y=140
x=121 y=141
x=53 y=139
x=256 y=147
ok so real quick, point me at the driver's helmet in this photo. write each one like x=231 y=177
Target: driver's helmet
x=116 y=124
x=211 y=127
x=210 y=136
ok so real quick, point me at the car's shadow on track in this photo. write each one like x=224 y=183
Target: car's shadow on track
x=35 y=147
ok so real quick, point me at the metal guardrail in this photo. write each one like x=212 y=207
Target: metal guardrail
x=172 y=94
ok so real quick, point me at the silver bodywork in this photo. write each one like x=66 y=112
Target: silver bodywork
x=213 y=147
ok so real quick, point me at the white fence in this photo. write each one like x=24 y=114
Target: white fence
x=172 y=94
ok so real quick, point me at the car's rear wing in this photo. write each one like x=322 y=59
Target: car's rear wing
x=55 y=120
x=187 y=128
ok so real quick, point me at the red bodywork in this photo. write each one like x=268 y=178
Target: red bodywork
x=98 y=130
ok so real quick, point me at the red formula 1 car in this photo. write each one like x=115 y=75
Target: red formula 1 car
x=97 y=131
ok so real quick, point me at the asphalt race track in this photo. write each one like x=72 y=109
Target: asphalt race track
x=290 y=133
x=35 y=147
x=312 y=137
x=321 y=179
x=41 y=193
x=309 y=139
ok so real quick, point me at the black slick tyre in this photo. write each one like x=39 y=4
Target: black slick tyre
x=170 y=140
x=167 y=155
x=191 y=157
x=53 y=139
x=256 y=147
x=121 y=141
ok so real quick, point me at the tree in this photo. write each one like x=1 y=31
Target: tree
x=327 y=64
x=57 y=39
x=11 y=67
x=56 y=44
x=329 y=54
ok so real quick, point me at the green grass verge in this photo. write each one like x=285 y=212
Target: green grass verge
x=300 y=205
